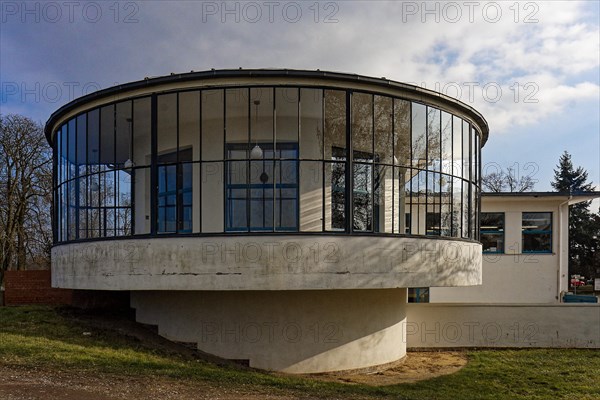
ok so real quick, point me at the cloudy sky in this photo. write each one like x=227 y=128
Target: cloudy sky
x=531 y=68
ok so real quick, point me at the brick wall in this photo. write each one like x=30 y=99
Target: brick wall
x=33 y=287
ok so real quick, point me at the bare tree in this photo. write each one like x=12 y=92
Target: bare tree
x=508 y=181
x=25 y=190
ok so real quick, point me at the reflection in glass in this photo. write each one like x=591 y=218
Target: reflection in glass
x=413 y=169
x=537 y=232
x=492 y=232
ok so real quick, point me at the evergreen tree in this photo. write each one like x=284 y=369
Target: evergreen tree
x=583 y=242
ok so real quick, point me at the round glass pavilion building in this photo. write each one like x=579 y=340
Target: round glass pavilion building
x=274 y=216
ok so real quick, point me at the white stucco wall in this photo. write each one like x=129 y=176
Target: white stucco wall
x=516 y=277
x=503 y=325
x=266 y=262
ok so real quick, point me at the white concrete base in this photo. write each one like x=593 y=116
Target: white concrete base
x=289 y=331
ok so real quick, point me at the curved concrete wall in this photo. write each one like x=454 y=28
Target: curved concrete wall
x=266 y=262
x=289 y=331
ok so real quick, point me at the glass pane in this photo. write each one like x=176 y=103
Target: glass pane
x=237 y=195
x=311 y=124
x=457 y=146
x=262 y=177
x=212 y=124
x=433 y=139
x=141 y=131
x=418 y=186
x=185 y=193
x=124 y=201
x=492 y=232
x=311 y=196
x=457 y=199
x=107 y=136
x=107 y=188
x=401 y=200
x=63 y=153
x=142 y=200
x=383 y=129
x=466 y=131
x=335 y=196
x=363 y=197
x=538 y=243
x=166 y=125
x=73 y=211
x=82 y=144
x=433 y=217
x=93 y=137
x=419 y=136
x=383 y=188
x=402 y=147
x=537 y=232
x=123 y=136
x=261 y=116
x=465 y=209
x=362 y=124
x=335 y=125
x=189 y=123
x=537 y=221
x=286 y=115
x=212 y=205
x=446 y=143
x=236 y=122
x=446 y=207
x=72 y=148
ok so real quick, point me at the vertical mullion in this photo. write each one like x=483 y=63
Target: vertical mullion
x=274 y=162
x=99 y=174
x=54 y=192
x=115 y=172
x=452 y=175
x=410 y=148
x=439 y=176
x=297 y=157
x=153 y=166
x=393 y=117
x=133 y=170
x=226 y=166
x=67 y=184
x=349 y=189
x=427 y=165
x=76 y=181
x=199 y=161
x=178 y=173
x=249 y=165
x=323 y=163
x=373 y=163
x=87 y=177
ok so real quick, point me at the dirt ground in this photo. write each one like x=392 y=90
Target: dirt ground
x=27 y=384
x=416 y=366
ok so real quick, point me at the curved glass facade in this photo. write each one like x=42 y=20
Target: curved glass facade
x=265 y=159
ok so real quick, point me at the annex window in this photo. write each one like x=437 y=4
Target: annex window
x=492 y=232
x=537 y=232
x=418 y=295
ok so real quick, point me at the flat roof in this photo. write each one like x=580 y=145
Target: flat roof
x=263 y=72
x=576 y=197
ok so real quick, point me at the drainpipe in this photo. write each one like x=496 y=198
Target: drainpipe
x=560 y=246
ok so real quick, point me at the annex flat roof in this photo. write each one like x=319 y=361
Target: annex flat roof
x=573 y=197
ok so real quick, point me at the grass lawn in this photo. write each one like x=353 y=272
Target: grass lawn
x=44 y=337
